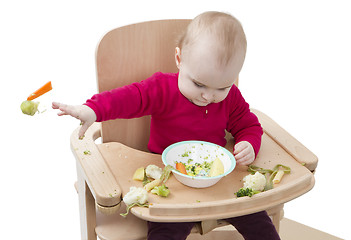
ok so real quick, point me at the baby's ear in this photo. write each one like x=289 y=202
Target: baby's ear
x=177 y=57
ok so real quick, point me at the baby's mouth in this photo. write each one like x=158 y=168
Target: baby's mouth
x=202 y=103
x=199 y=103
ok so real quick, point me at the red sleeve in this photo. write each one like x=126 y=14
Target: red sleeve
x=243 y=124
x=131 y=101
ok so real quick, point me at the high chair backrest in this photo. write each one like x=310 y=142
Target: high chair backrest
x=130 y=54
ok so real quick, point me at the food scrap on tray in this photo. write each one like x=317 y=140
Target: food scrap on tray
x=154 y=179
x=261 y=179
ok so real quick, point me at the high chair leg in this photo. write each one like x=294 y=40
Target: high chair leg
x=277 y=214
x=87 y=209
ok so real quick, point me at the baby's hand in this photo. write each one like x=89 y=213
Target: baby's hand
x=82 y=112
x=244 y=153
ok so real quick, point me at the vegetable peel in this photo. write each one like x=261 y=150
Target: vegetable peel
x=273 y=172
x=272 y=176
x=166 y=173
x=133 y=205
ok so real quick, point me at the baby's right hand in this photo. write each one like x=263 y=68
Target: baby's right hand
x=82 y=112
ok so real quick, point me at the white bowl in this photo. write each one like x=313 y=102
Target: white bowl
x=198 y=151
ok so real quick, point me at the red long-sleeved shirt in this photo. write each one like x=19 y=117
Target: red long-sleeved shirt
x=174 y=118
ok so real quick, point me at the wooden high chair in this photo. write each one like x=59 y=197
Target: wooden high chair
x=133 y=53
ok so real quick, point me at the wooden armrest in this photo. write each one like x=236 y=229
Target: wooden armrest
x=96 y=173
x=287 y=142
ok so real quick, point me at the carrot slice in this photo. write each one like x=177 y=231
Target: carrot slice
x=44 y=89
x=181 y=167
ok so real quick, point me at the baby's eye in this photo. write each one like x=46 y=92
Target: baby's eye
x=198 y=84
x=223 y=89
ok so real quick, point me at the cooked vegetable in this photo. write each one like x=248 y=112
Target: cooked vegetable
x=87 y=152
x=181 y=168
x=278 y=177
x=256 y=181
x=273 y=172
x=139 y=174
x=198 y=169
x=44 y=89
x=152 y=184
x=194 y=169
x=135 y=195
x=253 y=184
x=139 y=196
x=245 y=192
x=29 y=107
x=261 y=179
x=153 y=171
x=163 y=178
x=217 y=168
x=162 y=190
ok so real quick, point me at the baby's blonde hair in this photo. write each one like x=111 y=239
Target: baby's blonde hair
x=226 y=29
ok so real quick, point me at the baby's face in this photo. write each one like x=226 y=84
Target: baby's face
x=201 y=79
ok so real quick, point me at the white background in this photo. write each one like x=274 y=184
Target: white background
x=297 y=71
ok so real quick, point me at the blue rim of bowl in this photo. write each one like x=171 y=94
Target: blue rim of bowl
x=231 y=156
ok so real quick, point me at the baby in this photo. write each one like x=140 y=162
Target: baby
x=199 y=102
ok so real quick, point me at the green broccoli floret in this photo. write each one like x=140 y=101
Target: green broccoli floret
x=162 y=190
x=245 y=192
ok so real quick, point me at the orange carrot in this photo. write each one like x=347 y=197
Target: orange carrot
x=44 y=89
x=181 y=167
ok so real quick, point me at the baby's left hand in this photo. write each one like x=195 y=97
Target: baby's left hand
x=244 y=153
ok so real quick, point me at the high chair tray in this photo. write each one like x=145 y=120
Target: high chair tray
x=216 y=202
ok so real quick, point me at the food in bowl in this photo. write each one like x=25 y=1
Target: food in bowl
x=217 y=168
x=201 y=169
x=205 y=163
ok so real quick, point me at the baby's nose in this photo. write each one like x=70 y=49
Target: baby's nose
x=208 y=95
